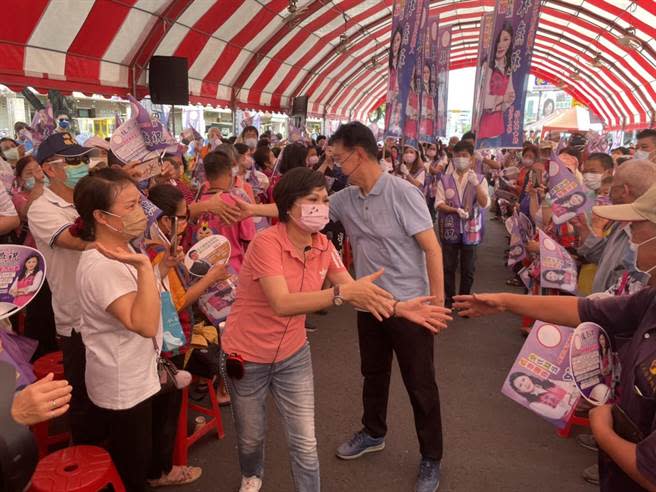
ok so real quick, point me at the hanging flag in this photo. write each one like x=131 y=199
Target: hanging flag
x=402 y=107
x=443 y=59
x=43 y=125
x=484 y=41
x=505 y=74
x=428 y=86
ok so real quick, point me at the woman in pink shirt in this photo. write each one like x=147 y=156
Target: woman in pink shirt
x=264 y=344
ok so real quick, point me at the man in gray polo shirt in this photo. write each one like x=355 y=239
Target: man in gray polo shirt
x=389 y=226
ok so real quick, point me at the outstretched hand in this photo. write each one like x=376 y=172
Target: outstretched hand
x=421 y=311
x=364 y=294
x=124 y=256
x=477 y=305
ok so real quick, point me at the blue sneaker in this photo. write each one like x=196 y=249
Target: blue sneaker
x=428 y=479
x=361 y=443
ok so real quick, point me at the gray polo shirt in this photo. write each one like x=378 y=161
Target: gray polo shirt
x=381 y=228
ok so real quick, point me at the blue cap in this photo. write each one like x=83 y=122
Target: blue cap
x=63 y=144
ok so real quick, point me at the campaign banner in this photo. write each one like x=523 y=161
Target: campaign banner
x=216 y=302
x=22 y=273
x=521 y=231
x=591 y=361
x=557 y=268
x=43 y=125
x=484 y=41
x=428 y=98
x=568 y=197
x=193 y=118
x=443 y=62
x=402 y=105
x=540 y=379
x=17 y=351
x=141 y=138
x=504 y=75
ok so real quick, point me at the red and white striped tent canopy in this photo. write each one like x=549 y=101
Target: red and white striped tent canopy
x=255 y=54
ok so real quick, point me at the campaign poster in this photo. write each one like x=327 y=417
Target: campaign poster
x=402 y=106
x=568 y=197
x=484 y=41
x=517 y=247
x=540 y=379
x=443 y=60
x=206 y=253
x=428 y=89
x=591 y=362
x=216 y=302
x=504 y=75
x=557 y=268
x=141 y=138
x=22 y=273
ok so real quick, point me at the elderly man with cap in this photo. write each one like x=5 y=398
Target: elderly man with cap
x=625 y=431
x=64 y=162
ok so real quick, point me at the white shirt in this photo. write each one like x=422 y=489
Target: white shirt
x=461 y=184
x=121 y=369
x=48 y=216
x=7 y=208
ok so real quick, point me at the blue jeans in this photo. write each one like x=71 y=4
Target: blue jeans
x=292 y=386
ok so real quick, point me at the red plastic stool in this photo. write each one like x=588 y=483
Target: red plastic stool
x=54 y=363
x=182 y=441
x=573 y=420
x=76 y=469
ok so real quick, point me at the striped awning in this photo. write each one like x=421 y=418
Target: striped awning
x=255 y=54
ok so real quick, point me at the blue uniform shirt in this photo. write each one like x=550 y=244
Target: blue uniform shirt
x=381 y=228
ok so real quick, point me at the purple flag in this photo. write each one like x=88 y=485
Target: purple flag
x=402 y=108
x=540 y=379
x=443 y=59
x=557 y=268
x=505 y=74
x=484 y=41
x=43 y=125
x=428 y=87
x=569 y=199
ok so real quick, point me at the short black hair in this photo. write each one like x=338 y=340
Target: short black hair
x=250 y=128
x=605 y=160
x=648 y=133
x=622 y=150
x=241 y=148
x=22 y=164
x=261 y=156
x=166 y=197
x=320 y=137
x=293 y=156
x=469 y=136
x=463 y=147
x=217 y=164
x=355 y=134
x=296 y=183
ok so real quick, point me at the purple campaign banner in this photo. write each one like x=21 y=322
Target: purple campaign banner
x=540 y=378
x=568 y=197
x=17 y=351
x=428 y=89
x=505 y=74
x=484 y=41
x=443 y=60
x=557 y=268
x=591 y=362
x=22 y=273
x=402 y=107
x=521 y=231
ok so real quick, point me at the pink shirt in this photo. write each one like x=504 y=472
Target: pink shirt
x=252 y=329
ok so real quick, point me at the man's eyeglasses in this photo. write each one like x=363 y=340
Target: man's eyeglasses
x=340 y=162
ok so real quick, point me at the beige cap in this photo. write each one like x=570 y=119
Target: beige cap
x=644 y=208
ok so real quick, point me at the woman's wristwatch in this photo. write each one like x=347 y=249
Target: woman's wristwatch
x=338 y=300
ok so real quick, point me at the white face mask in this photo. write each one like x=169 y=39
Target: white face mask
x=313 y=159
x=635 y=248
x=461 y=163
x=409 y=157
x=642 y=155
x=251 y=142
x=592 y=180
x=431 y=153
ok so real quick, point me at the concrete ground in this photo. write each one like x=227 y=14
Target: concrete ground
x=491 y=443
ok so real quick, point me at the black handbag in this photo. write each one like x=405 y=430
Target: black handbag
x=166 y=372
x=204 y=361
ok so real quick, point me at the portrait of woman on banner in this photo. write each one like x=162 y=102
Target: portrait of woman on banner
x=427 y=102
x=498 y=90
x=393 y=115
x=412 y=108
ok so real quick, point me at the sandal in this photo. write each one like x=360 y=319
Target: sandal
x=179 y=475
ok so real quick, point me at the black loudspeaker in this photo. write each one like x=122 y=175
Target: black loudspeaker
x=168 y=80
x=300 y=106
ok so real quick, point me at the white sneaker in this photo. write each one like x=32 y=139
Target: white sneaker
x=250 y=484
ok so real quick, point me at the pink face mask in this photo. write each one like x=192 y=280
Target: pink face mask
x=314 y=217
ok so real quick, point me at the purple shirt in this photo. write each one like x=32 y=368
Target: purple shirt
x=631 y=322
